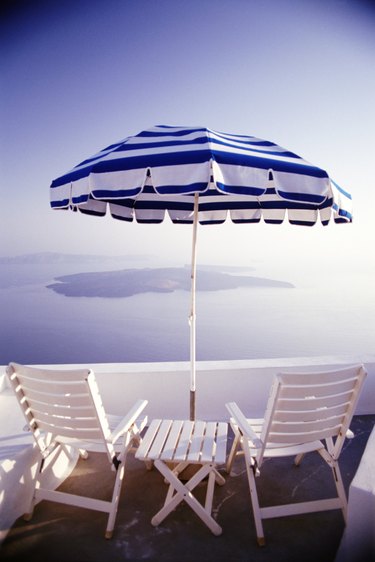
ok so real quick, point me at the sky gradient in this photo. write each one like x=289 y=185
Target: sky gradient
x=80 y=75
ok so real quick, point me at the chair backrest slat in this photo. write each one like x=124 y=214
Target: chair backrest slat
x=65 y=421
x=307 y=390
x=316 y=402
x=66 y=404
x=53 y=387
x=63 y=434
x=281 y=439
x=322 y=412
x=79 y=400
x=305 y=427
x=49 y=375
x=321 y=377
x=305 y=407
x=64 y=410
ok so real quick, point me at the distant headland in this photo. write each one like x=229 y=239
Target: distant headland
x=129 y=282
x=109 y=276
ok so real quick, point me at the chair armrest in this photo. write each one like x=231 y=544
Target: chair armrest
x=127 y=421
x=243 y=425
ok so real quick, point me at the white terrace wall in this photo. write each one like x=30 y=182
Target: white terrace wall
x=166 y=385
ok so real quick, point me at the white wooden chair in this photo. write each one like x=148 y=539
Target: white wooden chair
x=64 y=408
x=305 y=412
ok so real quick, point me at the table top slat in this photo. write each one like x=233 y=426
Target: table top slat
x=171 y=443
x=144 y=447
x=160 y=438
x=184 y=442
x=196 y=441
x=221 y=443
x=208 y=446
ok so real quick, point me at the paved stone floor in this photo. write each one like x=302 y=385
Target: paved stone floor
x=59 y=533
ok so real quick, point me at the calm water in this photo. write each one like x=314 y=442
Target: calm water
x=40 y=326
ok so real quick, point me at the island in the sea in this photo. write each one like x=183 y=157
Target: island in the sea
x=129 y=282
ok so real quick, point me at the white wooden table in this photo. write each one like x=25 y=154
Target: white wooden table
x=172 y=445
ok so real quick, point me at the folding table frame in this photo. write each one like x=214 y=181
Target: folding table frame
x=173 y=445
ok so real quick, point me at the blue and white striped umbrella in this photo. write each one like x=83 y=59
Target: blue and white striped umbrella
x=196 y=175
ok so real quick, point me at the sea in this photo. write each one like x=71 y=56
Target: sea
x=39 y=326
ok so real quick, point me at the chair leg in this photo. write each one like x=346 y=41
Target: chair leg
x=115 y=500
x=250 y=467
x=298 y=459
x=34 y=483
x=338 y=481
x=340 y=490
x=219 y=479
x=120 y=472
x=210 y=491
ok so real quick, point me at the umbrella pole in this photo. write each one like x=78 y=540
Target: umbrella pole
x=192 y=309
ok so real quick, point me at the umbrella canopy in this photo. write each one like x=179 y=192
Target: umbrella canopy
x=195 y=174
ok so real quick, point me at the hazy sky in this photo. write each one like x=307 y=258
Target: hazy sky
x=77 y=75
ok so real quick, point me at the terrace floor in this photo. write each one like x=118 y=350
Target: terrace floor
x=62 y=533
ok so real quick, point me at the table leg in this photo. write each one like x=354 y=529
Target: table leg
x=210 y=491
x=183 y=492
x=219 y=479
